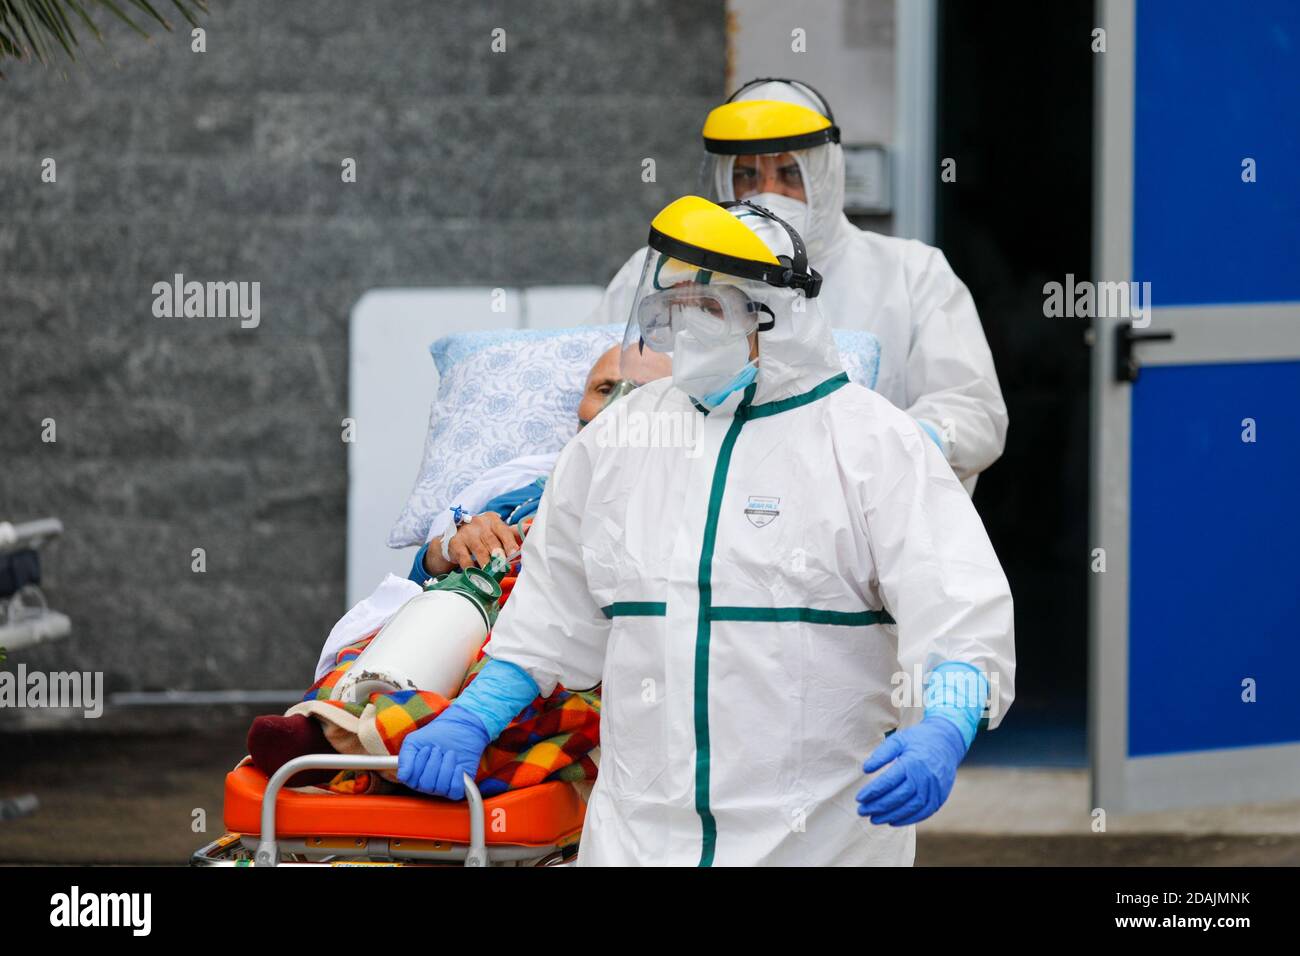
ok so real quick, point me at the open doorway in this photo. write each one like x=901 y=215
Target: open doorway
x=1014 y=110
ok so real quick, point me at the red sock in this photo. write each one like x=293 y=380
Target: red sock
x=273 y=741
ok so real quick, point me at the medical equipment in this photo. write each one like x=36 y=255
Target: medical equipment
x=751 y=127
x=531 y=826
x=270 y=826
x=432 y=640
x=717 y=314
x=708 y=284
x=779 y=135
x=794 y=211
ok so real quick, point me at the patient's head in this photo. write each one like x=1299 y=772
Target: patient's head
x=601 y=380
x=606 y=375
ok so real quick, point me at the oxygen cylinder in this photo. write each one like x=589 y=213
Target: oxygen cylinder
x=432 y=640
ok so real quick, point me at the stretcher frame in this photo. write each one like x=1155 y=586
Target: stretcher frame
x=269 y=849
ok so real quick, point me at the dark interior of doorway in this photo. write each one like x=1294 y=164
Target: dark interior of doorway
x=1014 y=109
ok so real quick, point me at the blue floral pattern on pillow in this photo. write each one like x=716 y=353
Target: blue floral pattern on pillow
x=501 y=394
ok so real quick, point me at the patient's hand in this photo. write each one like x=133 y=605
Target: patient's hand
x=474 y=543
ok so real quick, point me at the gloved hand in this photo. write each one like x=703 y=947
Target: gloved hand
x=925 y=759
x=435 y=758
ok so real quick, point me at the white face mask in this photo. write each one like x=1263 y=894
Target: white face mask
x=793 y=211
x=710 y=372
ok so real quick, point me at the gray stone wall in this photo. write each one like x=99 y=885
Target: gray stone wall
x=473 y=168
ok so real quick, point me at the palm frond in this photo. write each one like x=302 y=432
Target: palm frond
x=38 y=28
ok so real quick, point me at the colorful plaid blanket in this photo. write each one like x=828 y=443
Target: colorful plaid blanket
x=550 y=740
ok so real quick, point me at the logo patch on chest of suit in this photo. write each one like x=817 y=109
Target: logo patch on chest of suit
x=762 y=511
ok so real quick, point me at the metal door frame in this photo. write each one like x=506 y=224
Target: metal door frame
x=1256 y=332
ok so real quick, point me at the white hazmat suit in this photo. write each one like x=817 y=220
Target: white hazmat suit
x=738 y=600
x=934 y=360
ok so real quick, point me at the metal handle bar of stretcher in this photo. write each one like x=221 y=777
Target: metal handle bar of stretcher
x=268 y=853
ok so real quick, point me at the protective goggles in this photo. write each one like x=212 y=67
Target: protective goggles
x=714 y=315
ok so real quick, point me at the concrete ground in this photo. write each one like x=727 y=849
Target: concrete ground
x=1035 y=817
x=152 y=797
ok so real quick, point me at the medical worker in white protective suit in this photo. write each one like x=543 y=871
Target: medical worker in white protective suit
x=747 y=603
x=775 y=142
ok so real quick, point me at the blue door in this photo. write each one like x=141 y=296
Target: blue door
x=1195 y=619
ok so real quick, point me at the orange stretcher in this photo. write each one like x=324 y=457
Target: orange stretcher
x=270 y=826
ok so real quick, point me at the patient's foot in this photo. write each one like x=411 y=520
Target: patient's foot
x=274 y=741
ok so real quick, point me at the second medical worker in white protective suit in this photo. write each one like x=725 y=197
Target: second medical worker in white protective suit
x=775 y=142
x=747 y=603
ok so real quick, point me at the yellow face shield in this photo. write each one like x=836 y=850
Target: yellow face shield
x=714 y=238
x=707 y=274
x=775 y=141
x=754 y=127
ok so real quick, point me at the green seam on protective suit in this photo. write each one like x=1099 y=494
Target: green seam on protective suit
x=704 y=630
x=808 y=615
x=785 y=404
x=796 y=401
x=703 y=633
x=635 y=609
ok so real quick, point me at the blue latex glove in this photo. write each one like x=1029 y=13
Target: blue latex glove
x=497 y=695
x=958 y=691
x=435 y=758
x=925 y=759
x=926 y=756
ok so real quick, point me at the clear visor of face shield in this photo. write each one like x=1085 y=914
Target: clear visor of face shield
x=675 y=297
x=744 y=177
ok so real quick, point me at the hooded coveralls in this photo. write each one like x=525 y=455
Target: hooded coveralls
x=935 y=362
x=747 y=605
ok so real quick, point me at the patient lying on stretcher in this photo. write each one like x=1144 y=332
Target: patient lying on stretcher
x=551 y=739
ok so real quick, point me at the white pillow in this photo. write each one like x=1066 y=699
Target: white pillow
x=501 y=394
x=507 y=393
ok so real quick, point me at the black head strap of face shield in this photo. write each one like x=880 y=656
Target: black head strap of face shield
x=796 y=274
x=826 y=106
